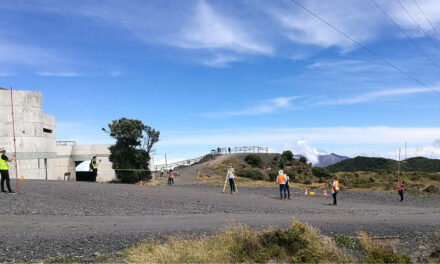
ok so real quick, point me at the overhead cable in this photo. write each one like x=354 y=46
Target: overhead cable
x=366 y=48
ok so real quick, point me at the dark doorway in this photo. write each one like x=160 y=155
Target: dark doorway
x=84 y=175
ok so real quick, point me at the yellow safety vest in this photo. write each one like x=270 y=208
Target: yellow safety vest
x=3 y=164
x=94 y=164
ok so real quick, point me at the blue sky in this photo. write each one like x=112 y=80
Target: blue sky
x=232 y=73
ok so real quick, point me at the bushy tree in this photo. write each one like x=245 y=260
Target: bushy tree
x=288 y=155
x=130 y=155
x=321 y=173
x=254 y=160
x=303 y=159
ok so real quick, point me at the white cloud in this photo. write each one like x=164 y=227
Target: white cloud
x=351 y=141
x=266 y=107
x=372 y=96
x=59 y=74
x=211 y=30
x=336 y=135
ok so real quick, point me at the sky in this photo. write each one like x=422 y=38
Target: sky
x=316 y=77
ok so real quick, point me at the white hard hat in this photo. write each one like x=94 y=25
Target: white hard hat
x=281 y=172
x=2 y=149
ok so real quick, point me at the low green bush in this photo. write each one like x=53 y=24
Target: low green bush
x=254 y=160
x=431 y=189
x=379 y=255
x=252 y=174
x=322 y=173
x=347 y=242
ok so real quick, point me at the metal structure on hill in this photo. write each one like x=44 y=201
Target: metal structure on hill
x=215 y=152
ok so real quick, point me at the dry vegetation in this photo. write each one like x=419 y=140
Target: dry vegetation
x=298 y=244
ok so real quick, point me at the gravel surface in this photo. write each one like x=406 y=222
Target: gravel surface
x=48 y=219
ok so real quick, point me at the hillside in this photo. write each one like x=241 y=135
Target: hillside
x=420 y=164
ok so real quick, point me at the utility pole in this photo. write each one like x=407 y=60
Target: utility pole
x=398 y=165
x=166 y=162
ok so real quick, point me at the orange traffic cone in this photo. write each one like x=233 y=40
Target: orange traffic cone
x=325 y=193
x=307 y=192
x=142 y=183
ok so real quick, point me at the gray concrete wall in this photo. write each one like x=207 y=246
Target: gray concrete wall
x=36 y=149
x=68 y=155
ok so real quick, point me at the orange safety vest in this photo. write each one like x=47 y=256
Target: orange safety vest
x=281 y=178
x=400 y=187
x=336 y=186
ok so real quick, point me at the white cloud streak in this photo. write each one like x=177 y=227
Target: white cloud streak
x=266 y=107
x=59 y=74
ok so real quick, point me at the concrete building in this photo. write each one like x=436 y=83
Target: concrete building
x=39 y=155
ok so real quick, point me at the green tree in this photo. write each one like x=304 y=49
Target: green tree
x=303 y=159
x=288 y=155
x=254 y=160
x=131 y=153
x=321 y=173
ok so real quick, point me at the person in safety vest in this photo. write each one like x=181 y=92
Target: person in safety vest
x=230 y=176
x=282 y=180
x=161 y=172
x=401 y=189
x=4 y=170
x=94 y=167
x=170 y=177
x=335 y=189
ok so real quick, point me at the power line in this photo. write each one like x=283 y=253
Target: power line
x=418 y=25
x=365 y=48
x=406 y=35
x=426 y=17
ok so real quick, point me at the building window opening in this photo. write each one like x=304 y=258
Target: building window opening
x=46 y=130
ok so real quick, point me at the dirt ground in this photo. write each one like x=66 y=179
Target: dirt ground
x=51 y=218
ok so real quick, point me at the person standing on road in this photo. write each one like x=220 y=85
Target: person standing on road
x=230 y=176
x=161 y=172
x=4 y=170
x=281 y=180
x=335 y=189
x=401 y=189
x=288 y=186
x=170 y=177
x=94 y=167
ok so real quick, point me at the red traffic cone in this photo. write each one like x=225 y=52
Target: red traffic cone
x=142 y=183
x=325 y=193
x=307 y=192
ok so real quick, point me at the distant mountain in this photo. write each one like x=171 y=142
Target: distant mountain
x=326 y=160
x=421 y=164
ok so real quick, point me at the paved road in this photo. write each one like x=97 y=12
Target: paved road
x=51 y=218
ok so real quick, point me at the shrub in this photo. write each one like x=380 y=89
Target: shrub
x=252 y=174
x=348 y=242
x=431 y=189
x=307 y=181
x=303 y=160
x=321 y=173
x=273 y=175
x=288 y=155
x=379 y=255
x=254 y=160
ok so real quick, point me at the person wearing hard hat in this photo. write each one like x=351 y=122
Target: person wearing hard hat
x=161 y=172
x=230 y=176
x=335 y=189
x=4 y=170
x=282 y=180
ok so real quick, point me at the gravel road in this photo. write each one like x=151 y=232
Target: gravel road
x=48 y=219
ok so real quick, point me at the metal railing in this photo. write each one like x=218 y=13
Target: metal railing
x=66 y=143
x=214 y=152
